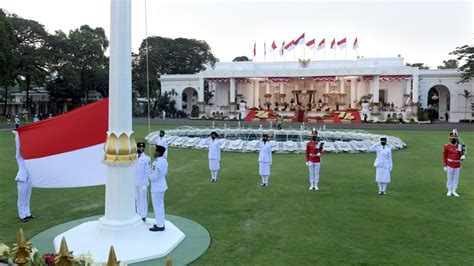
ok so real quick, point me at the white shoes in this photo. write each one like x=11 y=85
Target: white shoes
x=311 y=187
x=454 y=193
x=316 y=187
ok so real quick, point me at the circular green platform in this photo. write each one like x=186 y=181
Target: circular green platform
x=195 y=243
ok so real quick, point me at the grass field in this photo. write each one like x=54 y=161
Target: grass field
x=345 y=222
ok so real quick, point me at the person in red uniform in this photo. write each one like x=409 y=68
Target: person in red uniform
x=314 y=151
x=453 y=155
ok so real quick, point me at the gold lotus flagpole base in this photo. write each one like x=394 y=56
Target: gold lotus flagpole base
x=120 y=148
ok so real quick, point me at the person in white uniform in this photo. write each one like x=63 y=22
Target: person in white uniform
x=161 y=141
x=24 y=186
x=158 y=187
x=163 y=114
x=142 y=173
x=36 y=118
x=264 y=159
x=214 y=154
x=383 y=164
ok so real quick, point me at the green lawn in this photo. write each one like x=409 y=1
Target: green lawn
x=345 y=222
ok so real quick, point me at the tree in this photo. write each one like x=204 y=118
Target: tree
x=30 y=41
x=241 y=58
x=467 y=95
x=449 y=64
x=78 y=65
x=8 y=59
x=418 y=65
x=88 y=56
x=465 y=53
x=167 y=56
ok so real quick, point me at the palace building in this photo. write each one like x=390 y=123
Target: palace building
x=374 y=88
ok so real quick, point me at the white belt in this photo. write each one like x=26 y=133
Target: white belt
x=454 y=161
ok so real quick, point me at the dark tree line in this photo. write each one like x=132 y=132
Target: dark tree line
x=71 y=65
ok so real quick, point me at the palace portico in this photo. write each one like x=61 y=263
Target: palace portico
x=372 y=86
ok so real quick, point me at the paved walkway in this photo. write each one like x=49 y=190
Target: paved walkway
x=187 y=122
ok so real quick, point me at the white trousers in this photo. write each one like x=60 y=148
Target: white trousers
x=314 y=172
x=158 y=199
x=24 y=195
x=141 y=200
x=453 y=177
x=214 y=174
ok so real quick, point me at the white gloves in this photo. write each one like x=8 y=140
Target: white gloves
x=463 y=157
x=307 y=163
x=318 y=154
x=445 y=169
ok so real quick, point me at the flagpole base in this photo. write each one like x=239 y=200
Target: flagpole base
x=132 y=244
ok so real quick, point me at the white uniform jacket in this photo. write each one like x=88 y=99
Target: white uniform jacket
x=384 y=156
x=158 y=174
x=162 y=142
x=214 y=149
x=265 y=153
x=23 y=175
x=142 y=170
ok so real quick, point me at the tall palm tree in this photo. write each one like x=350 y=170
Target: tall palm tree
x=467 y=95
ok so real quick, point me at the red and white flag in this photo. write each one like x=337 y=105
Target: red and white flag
x=333 y=43
x=273 y=47
x=290 y=46
x=254 y=50
x=321 y=44
x=300 y=40
x=66 y=150
x=282 y=48
x=311 y=44
x=355 y=45
x=342 y=43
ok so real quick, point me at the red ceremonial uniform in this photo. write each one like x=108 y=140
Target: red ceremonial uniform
x=452 y=156
x=311 y=151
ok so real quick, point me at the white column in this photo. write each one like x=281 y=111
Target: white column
x=200 y=90
x=256 y=87
x=415 y=88
x=282 y=88
x=375 y=86
x=311 y=85
x=408 y=86
x=232 y=90
x=341 y=81
x=120 y=181
x=353 y=92
x=267 y=88
x=327 y=86
x=179 y=100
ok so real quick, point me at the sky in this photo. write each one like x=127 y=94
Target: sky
x=424 y=31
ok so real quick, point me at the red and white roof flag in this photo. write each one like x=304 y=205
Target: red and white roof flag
x=290 y=46
x=66 y=150
x=300 y=40
x=355 y=45
x=322 y=44
x=311 y=44
x=333 y=43
x=342 y=43
x=282 y=48
x=273 y=47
